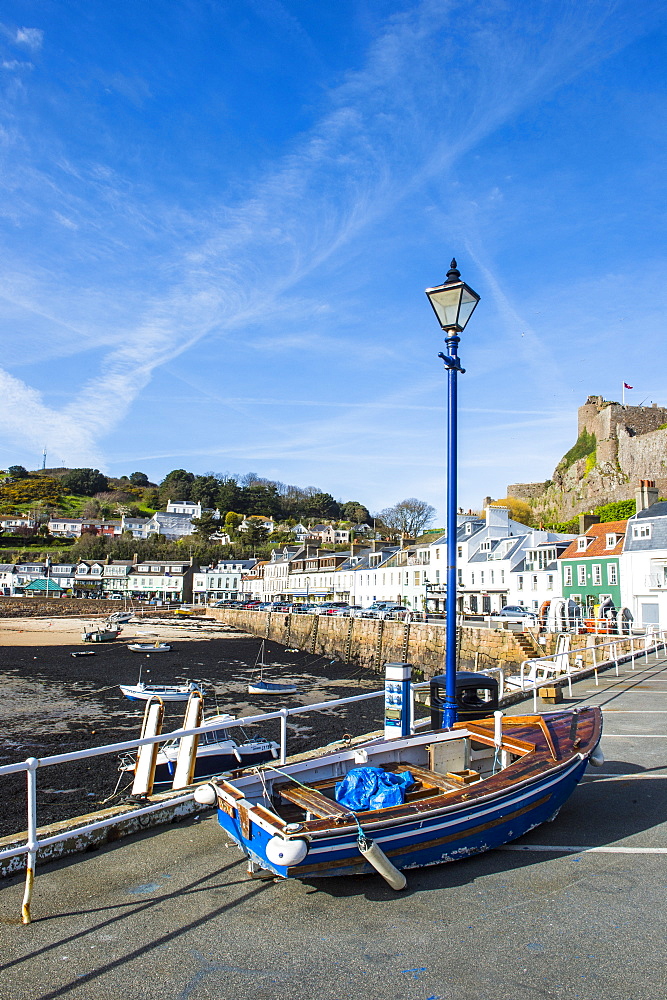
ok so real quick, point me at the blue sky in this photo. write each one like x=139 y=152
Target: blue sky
x=218 y=220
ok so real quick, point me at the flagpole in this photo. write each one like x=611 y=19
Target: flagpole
x=623 y=392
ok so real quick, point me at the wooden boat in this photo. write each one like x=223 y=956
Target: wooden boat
x=217 y=752
x=168 y=692
x=267 y=687
x=149 y=647
x=468 y=795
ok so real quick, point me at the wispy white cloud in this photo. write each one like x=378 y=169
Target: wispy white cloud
x=31 y=37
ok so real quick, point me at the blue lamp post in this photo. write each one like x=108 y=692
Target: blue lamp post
x=453 y=304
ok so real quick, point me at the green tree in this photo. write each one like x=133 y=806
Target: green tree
x=205 y=526
x=85 y=482
x=176 y=485
x=17 y=472
x=139 y=479
x=354 y=511
x=321 y=505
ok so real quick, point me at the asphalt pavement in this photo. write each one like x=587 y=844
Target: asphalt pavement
x=573 y=910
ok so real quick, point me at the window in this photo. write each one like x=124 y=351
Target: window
x=519 y=583
x=581 y=576
x=460 y=578
x=582 y=543
x=533 y=583
x=481 y=577
x=492 y=576
x=550 y=582
x=416 y=578
x=459 y=552
x=568 y=575
x=597 y=575
x=641 y=531
x=612 y=574
x=472 y=579
x=485 y=546
x=502 y=576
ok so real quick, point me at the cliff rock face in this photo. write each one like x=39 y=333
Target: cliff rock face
x=617 y=446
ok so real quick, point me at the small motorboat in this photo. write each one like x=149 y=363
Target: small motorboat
x=149 y=647
x=101 y=633
x=267 y=687
x=120 y=617
x=167 y=692
x=217 y=753
x=464 y=790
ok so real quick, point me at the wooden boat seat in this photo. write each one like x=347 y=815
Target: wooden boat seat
x=312 y=801
x=428 y=779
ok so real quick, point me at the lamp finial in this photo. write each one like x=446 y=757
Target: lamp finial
x=453 y=274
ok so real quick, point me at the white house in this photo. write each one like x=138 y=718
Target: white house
x=65 y=527
x=643 y=563
x=13 y=521
x=221 y=582
x=189 y=507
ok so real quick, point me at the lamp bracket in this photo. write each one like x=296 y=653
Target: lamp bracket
x=452 y=363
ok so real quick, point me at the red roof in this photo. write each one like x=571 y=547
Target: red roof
x=597 y=546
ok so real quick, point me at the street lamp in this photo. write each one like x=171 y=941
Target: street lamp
x=453 y=303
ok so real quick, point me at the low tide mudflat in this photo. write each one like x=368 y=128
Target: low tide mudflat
x=53 y=702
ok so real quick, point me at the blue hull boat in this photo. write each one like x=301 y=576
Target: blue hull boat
x=469 y=793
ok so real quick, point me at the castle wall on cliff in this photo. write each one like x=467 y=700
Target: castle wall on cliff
x=630 y=444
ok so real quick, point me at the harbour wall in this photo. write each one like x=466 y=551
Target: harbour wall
x=371 y=642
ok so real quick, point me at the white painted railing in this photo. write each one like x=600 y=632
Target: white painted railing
x=535 y=672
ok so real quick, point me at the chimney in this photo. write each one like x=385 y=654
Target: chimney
x=585 y=522
x=646 y=494
x=135 y=559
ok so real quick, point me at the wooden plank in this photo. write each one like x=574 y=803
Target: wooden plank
x=312 y=801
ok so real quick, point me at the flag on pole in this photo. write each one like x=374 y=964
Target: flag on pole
x=626 y=386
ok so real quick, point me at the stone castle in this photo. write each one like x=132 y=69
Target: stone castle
x=617 y=446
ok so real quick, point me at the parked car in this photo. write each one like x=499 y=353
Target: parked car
x=382 y=609
x=515 y=612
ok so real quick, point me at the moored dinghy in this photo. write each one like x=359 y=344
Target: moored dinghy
x=168 y=692
x=471 y=790
x=149 y=647
x=267 y=687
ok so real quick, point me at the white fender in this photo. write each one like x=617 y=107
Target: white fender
x=206 y=794
x=596 y=758
x=286 y=852
x=383 y=866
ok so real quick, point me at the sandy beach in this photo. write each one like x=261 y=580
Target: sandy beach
x=53 y=702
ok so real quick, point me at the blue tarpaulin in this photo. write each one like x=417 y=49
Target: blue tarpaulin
x=372 y=788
